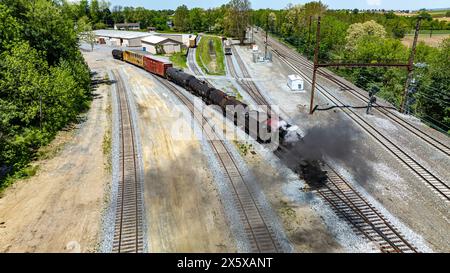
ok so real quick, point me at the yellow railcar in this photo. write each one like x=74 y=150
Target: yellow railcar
x=135 y=58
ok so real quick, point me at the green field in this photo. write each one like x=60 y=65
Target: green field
x=426 y=31
x=437 y=13
x=210 y=64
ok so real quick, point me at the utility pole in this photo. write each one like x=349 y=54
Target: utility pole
x=309 y=34
x=316 y=66
x=410 y=66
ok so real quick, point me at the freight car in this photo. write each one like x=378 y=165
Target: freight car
x=192 y=41
x=199 y=88
x=152 y=64
x=156 y=65
x=179 y=77
x=117 y=54
x=132 y=57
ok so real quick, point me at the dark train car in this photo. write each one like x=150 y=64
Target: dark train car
x=179 y=77
x=256 y=125
x=156 y=65
x=134 y=57
x=200 y=88
x=216 y=96
x=231 y=101
x=117 y=54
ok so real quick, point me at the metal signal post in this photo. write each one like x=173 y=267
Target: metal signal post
x=316 y=66
x=409 y=66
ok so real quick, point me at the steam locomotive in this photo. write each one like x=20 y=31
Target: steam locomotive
x=261 y=126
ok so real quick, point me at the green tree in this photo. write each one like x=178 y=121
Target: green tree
x=48 y=31
x=433 y=97
x=44 y=81
x=237 y=18
x=83 y=8
x=94 y=11
x=358 y=31
x=196 y=16
x=10 y=29
x=85 y=32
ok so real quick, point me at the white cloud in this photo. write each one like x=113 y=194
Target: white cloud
x=374 y=2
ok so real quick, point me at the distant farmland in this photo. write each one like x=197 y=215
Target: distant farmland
x=434 y=40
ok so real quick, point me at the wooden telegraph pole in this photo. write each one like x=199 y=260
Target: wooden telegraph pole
x=309 y=35
x=316 y=66
x=410 y=66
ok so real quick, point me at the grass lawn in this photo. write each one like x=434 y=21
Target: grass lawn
x=210 y=64
x=179 y=59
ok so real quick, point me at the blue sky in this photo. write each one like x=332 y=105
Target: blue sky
x=278 y=4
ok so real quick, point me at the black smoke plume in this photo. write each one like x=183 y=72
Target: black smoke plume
x=338 y=141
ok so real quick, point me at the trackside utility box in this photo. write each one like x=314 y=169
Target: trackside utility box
x=295 y=83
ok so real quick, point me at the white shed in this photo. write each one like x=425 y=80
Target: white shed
x=160 y=45
x=295 y=82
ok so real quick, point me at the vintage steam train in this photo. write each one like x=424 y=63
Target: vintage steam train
x=261 y=126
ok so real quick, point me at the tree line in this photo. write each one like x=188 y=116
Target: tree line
x=44 y=81
x=230 y=19
x=100 y=14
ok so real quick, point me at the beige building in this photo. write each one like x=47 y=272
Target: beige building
x=160 y=45
x=186 y=39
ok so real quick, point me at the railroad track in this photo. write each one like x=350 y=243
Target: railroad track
x=191 y=60
x=256 y=227
x=353 y=208
x=365 y=220
x=286 y=52
x=128 y=229
x=247 y=83
x=231 y=68
x=430 y=179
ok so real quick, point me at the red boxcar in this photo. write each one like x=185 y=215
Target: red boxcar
x=156 y=65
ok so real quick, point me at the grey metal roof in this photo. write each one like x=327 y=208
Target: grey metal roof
x=122 y=34
x=154 y=40
x=128 y=24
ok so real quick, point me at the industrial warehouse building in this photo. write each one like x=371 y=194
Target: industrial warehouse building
x=160 y=45
x=150 y=42
x=120 y=38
